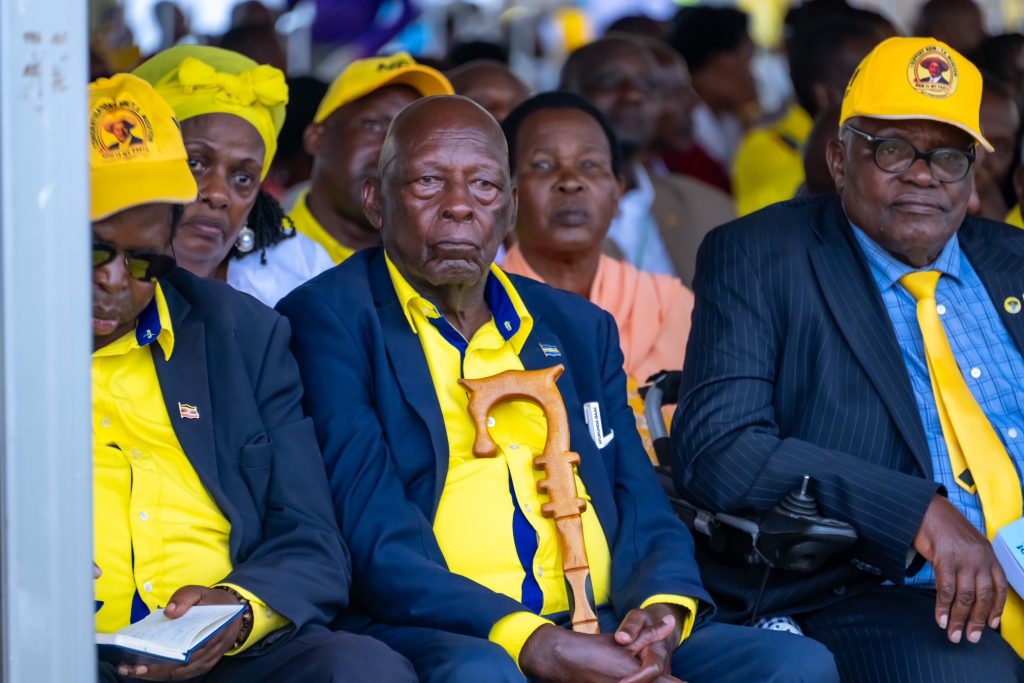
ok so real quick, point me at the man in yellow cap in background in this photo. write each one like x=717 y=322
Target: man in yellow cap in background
x=208 y=486
x=345 y=139
x=873 y=341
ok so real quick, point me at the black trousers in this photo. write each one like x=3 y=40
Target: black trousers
x=889 y=634
x=314 y=656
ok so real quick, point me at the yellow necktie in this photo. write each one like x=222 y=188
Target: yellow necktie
x=979 y=459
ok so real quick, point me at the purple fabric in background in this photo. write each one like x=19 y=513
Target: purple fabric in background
x=340 y=22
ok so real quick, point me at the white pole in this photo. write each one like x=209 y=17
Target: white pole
x=46 y=606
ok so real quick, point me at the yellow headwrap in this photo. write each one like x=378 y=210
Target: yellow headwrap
x=197 y=80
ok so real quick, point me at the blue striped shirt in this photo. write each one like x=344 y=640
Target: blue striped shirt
x=988 y=359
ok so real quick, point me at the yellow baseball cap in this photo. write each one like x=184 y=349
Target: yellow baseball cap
x=363 y=76
x=136 y=154
x=916 y=78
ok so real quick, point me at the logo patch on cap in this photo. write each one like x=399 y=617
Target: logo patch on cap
x=118 y=130
x=933 y=72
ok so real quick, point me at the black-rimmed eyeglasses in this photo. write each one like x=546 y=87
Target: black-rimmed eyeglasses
x=895 y=155
x=140 y=265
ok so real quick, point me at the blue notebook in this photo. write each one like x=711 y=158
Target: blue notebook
x=158 y=638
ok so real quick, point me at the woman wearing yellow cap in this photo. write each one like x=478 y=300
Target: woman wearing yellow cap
x=231 y=110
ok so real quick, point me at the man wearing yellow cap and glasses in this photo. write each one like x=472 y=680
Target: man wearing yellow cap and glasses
x=345 y=139
x=208 y=483
x=874 y=342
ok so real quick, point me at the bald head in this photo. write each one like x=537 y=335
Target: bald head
x=444 y=200
x=427 y=119
x=490 y=84
x=605 y=50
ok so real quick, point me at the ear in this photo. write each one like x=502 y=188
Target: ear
x=835 y=157
x=372 y=202
x=620 y=189
x=1018 y=183
x=312 y=138
x=824 y=98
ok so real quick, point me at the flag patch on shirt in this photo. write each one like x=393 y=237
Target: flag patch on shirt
x=550 y=350
x=188 y=412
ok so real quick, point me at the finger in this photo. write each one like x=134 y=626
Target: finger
x=631 y=627
x=653 y=634
x=963 y=603
x=1001 y=591
x=182 y=600
x=652 y=666
x=984 y=596
x=96 y=571
x=945 y=592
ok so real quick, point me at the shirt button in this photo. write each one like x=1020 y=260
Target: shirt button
x=940 y=309
x=136 y=453
x=528 y=507
x=105 y=422
x=148 y=587
x=1012 y=433
x=975 y=373
x=540 y=571
x=144 y=516
x=513 y=446
x=491 y=422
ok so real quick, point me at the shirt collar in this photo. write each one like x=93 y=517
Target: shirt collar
x=511 y=318
x=152 y=325
x=888 y=270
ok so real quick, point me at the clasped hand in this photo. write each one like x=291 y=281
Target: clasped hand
x=640 y=651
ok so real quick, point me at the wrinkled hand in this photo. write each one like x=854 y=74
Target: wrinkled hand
x=203 y=659
x=558 y=655
x=651 y=635
x=970 y=585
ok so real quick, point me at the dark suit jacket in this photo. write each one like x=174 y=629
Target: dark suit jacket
x=253 y=448
x=793 y=368
x=369 y=391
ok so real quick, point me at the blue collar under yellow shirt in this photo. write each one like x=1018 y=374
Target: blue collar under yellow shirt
x=988 y=359
x=489 y=524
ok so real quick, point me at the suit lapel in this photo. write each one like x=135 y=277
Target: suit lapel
x=410 y=366
x=1001 y=270
x=857 y=307
x=533 y=357
x=184 y=381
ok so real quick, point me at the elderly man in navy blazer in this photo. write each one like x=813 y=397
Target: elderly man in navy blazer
x=454 y=565
x=873 y=341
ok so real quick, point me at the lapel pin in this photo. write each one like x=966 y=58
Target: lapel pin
x=188 y=412
x=1012 y=305
x=550 y=350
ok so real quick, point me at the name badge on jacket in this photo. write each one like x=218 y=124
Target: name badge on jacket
x=592 y=416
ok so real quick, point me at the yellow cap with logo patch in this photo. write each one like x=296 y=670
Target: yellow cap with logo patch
x=916 y=78
x=363 y=76
x=136 y=154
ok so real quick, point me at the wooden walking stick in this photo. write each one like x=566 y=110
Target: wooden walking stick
x=556 y=461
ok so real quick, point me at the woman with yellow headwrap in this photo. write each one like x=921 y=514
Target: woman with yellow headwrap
x=231 y=110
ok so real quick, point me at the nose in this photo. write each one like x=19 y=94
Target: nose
x=569 y=182
x=920 y=173
x=457 y=203
x=113 y=276
x=632 y=91
x=213 y=190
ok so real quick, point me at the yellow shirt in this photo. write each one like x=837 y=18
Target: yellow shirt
x=489 y=524
x=156 y=526
x=305 y=223
x=1015 y=218
x=769 y=164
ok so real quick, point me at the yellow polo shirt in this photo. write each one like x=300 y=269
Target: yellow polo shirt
x=769 y=164
x=489 y=523
x=156 y=526
x=1015 y=218
x=305 y=223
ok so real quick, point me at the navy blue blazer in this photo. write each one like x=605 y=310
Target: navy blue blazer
x=253 y=448
x=369 y=391
x=793 y=368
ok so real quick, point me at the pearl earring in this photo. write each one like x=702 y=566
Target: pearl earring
x=246 y=240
